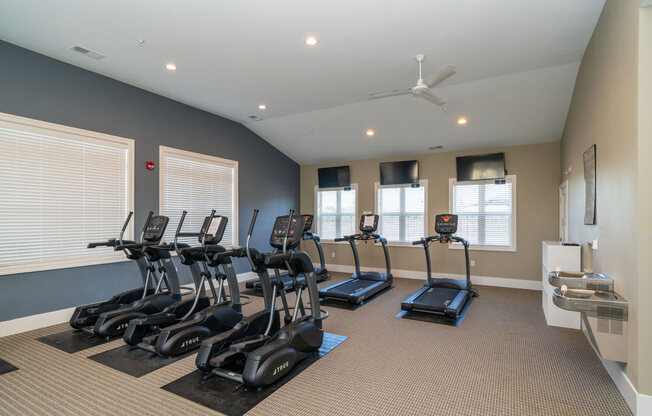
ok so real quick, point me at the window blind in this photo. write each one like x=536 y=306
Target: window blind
x=336 y=210
x=401 y=211
x=58 y=192
x=197 y=184
x=485 y=212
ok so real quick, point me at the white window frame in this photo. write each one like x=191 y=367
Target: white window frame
x=423 y=183
x=354 y=186
x=71 y=133
x=512 y=248
x=201 y=158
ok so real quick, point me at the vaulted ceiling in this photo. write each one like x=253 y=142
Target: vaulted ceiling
x=517 y=62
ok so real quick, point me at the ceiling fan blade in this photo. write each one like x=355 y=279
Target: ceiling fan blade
x=443 y=75
x=391 y=93
x=433 y=97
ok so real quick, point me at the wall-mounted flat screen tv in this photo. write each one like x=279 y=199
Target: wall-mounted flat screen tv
x=480 y=167
x=335 y=177
x=396 y=173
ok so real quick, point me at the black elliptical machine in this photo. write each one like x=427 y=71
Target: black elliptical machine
x=363 y=284
x=266 y=321
x=171 y=334
x=321 y=274
x=114 y=323
x=260 y=360
x=86 y=315
x=442 y=296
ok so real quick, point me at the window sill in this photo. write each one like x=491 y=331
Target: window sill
x=333 y=242
x=56 y=265
x=511 y=249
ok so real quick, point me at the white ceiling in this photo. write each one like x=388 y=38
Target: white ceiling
x=517 y=62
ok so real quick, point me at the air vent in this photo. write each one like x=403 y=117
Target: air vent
x=435 y=147
x=87 y=52
x=255 y=118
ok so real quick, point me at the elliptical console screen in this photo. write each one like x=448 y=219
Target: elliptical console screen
x=294 y=236
x=368 y=223
x=155 y=228
x=308 y=218
x=215 y=230
x=446 y=224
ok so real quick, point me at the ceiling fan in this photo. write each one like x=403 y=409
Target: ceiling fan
x=422 y=89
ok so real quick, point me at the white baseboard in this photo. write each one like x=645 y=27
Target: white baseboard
x=413 y=274
x=639 y=404
x=29 y=323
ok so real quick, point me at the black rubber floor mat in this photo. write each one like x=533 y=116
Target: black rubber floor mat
x=134 y=361
x=343 y=304
x=223 y=395
x=72 y=341
x=5 y=367
x=434 y=318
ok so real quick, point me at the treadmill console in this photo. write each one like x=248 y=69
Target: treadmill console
x=155 y=228
x=446 y=224
x=294 y=236
x=214 y=230
x=308 y=218
x=368 y=223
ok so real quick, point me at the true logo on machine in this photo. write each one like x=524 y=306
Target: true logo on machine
x=281 y=368
x=189 y=342
x=122 y=326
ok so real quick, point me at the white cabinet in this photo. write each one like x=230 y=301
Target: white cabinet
x=558 y=257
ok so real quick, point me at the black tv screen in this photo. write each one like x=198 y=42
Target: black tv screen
x=335 y=177
x=480 y=167
x=396 y=173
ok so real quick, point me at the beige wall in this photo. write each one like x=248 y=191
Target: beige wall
x=603 y=111
x=645 y=198
x=538 y=176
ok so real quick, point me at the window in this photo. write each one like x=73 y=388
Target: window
x=487 y=213
x=197 y=184
x=336 y=211
x=60 y=188
x=402 y=209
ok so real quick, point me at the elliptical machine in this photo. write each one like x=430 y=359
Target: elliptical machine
x=260 y=360
x=115 y=322
x=321 y=274
x=266 y=321
x=86 y=315
x=172 y=334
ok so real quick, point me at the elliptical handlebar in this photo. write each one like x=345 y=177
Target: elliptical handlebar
x=124 y=227
x=287 y=231
x=142 y=234
x=249 y=233
x=178 y=233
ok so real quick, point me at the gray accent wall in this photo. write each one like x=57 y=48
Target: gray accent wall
x=42 y=88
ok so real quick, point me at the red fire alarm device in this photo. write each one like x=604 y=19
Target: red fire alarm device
x=150 y=165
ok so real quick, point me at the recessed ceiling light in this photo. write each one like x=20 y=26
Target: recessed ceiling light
x=262 y=107
x=171 y=67
x=462 y=121
x=370 y=132
x=311 y=41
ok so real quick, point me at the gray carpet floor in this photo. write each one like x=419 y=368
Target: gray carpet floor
x=502 y=360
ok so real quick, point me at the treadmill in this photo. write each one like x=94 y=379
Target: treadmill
x=362 y=285
x=442 y=296
x=320 y=272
